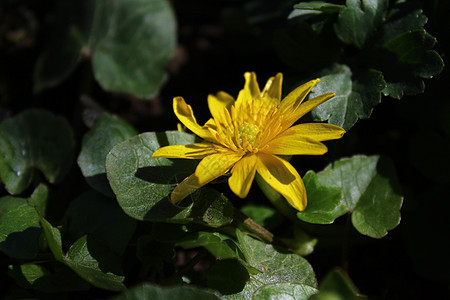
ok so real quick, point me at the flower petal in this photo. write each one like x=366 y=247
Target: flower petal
x=304 y=108
x=272 y=90
x=250 y=91
x=242 y=176
x=192 y=151
x=283 y=178
x=315 y=131
x=295 y=98
x=185 y=114
x=209 y=168
x=294 y=145
x=219 y=102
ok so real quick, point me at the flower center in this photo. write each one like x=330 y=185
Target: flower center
x=248 y=131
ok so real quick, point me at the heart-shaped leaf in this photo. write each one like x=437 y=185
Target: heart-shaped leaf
x=322 y=201
x=129 y=56
x=34 y=139
x=370 y=191
x=142 y=183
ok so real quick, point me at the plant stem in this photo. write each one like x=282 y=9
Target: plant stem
x=254 y=227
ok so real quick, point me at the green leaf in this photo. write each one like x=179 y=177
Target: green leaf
x=40 y=278
x=53 y=237
x=370 y=191
x=359 y=19
x=265 y=216
x=227 y=276
x=91 y=261
x=285 y=291
x=19 y=223
x=19 y=228
x=152 y=292
x=322 y=201
x=95 y=264
x=301 y=242
x=276 y=266
x=100 y=218
x=106 y=132
x=337 y=286
x=142 y=183
x=356 y=94
x=414 y=60
x=34 y=139
x=402 y=17
x=217 y=244
x=129 y=56
x=321 y=6
x=133 y=55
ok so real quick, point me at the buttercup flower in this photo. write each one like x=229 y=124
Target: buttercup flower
x=247 y=135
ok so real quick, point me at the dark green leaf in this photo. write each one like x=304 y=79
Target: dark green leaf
x=414 y=60
x=142 y=183
x=227 y=276
x=359 y=19
x=276 y=266
x=356 y=94
x=129 y=56
x=91 y=261
x=154 y=253
x=95 y=264
x=336 y=285
x=285 y=291
x=265 y=216
x=34 y=139
x=151 y=292
x=370 y=191
x=322 y=201
x=101 y=219
x=214 y=242
x=37 y=277
x=403 y=17
x=106 y=132
x=19 y=228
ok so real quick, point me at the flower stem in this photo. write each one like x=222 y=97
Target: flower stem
x=253 y=227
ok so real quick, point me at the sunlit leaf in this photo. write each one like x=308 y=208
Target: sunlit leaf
x=322 y=201
x=142 y=183
x=276 y=266
x=356 y=95
x=370 y=191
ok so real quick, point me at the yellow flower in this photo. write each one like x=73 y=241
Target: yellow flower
x=246 y=135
